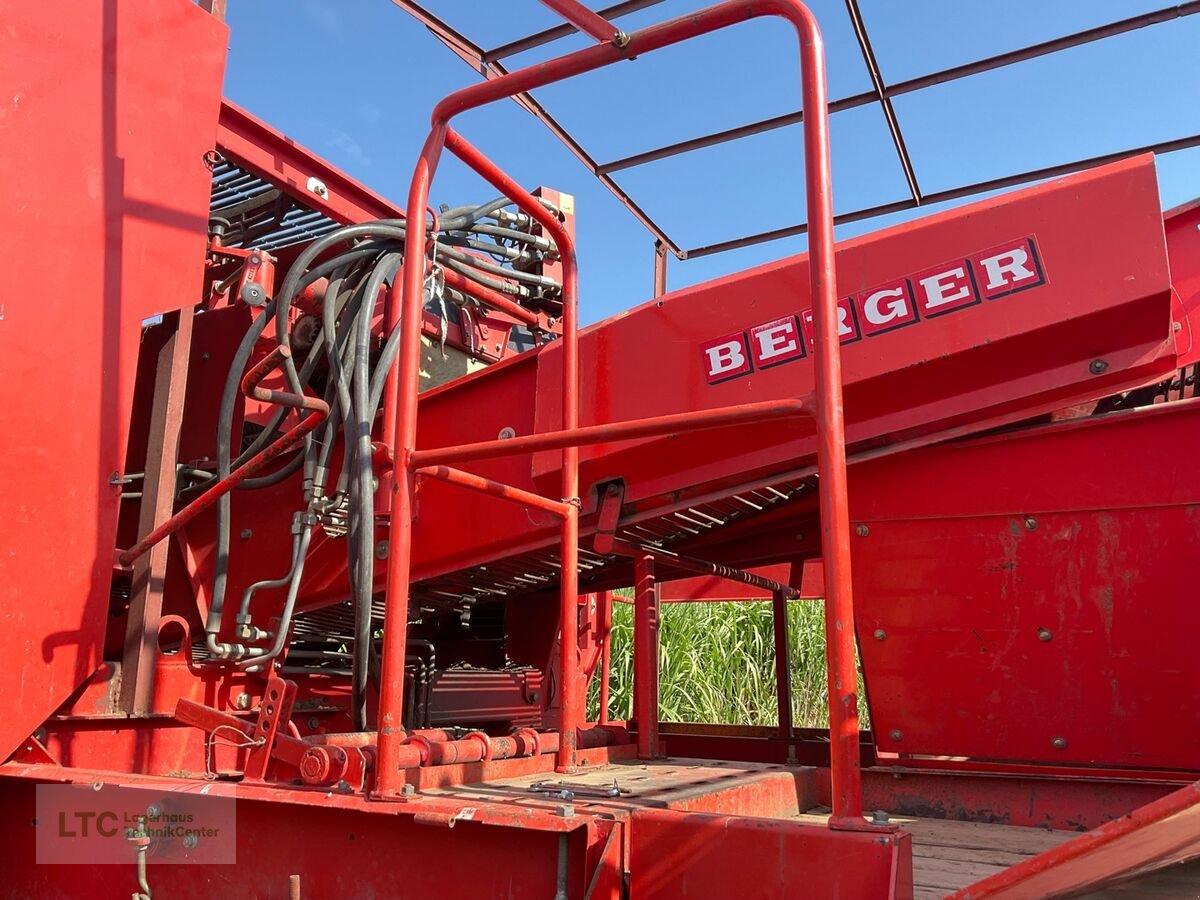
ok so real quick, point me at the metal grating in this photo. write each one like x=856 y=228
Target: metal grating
x=259 y=214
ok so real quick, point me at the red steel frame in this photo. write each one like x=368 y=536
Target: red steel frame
x=404 y=308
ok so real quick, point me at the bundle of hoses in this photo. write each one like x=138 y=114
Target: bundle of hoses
x=358 y=261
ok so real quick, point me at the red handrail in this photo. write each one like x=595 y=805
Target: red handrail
x=404 y=309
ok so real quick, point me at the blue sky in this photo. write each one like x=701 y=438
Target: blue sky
x=355 y=80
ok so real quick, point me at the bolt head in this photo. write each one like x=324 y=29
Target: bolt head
x=896 y=734
x=1098 y=367
x=880 y=634
x=153 y=812
x=879 y=817
x=862 y=530
x=190 y=841
x=1030 y=523
x=381 y=550
x=242 y=701
x=408 y=790
x=1044 y=634
x=566 y=810
x=246 y=534
x=313 y=723
x=1059 y=743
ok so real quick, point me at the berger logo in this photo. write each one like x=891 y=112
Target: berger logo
x=936 y=291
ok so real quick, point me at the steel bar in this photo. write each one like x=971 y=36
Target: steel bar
x=726 y=135
x=586 y=20
x=885 y=102
x=494 y=488
x=703 y=567
x=721 y=417
x=660 y=268
x=605 y=599
x=472 y=55
x=259 y=461
x=558 y=32
x=645 y=654
x=783 y=671
x=158 y=496
x=945 y=196
x=905 y=87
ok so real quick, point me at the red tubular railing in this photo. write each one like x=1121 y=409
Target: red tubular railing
x=404 y=309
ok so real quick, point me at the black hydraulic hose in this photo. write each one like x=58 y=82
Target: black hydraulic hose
x=496 y=284
x=497 y=269
x=363 y=478
x=224 y=441
x=522 y=237
x=511 y=254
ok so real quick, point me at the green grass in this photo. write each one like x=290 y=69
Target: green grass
x=717 y=664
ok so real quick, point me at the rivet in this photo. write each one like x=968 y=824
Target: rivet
x=1044 y=634
x=1030 y=523
x=381 y=550
x=896 y=734
x=880 y=634
x=862 y=530
x=246 y=534
x=1098 y=367
x=314 y=722
x=507 y=433
x=1059 y=743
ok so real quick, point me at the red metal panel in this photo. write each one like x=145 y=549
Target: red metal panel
x=360 y=850
x=674 y=854
x=1160 y=833
x=1030 y=596
x=107 y=202
x=1107 y=293
x=1183 y=247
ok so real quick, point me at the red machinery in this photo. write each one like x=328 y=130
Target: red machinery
x=292 y=530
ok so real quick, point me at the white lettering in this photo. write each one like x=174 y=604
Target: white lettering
x=893 y=310
x=725 y=358
x=935 y=289
x=1012 y=263
x=776 y=340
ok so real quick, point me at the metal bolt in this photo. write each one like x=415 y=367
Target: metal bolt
x=1030 y=523
x=1098 y=367
x=96 y=785
x=153 y=812
x=879 y=817
x=896 y=734
x=242 y=701
x=566 y=810
x=246 y=534
x=407 y=790
x=190 y=841
x=880 y=634
x=313 y=722
x=381 y=550
x=507 y=433
x=862 y=530
x=1044 y=634
x=1059 y=743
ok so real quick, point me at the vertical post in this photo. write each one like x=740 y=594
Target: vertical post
x=845 y=777
x=606 y=608
x=783 y=673
x=396 y=486
x=158 y=501
x=645 y=638
x=660 y=268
